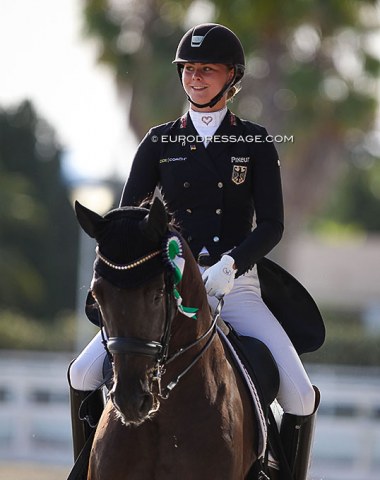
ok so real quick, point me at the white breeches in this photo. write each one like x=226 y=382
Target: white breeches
x=86 y=371
x=245 y=310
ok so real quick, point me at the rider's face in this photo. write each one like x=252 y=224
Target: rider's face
x=203 y=81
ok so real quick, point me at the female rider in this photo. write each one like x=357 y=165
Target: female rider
x=217 y=173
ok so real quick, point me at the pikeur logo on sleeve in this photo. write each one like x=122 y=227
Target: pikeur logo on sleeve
x=239 y=160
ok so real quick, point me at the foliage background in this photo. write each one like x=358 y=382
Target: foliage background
x=311 y=74
x=38 y=235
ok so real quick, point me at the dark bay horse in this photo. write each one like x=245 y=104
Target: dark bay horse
x=177 y=408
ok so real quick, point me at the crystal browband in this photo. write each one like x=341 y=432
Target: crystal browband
x=127 y=266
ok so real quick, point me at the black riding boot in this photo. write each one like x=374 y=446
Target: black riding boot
x=297 y=438
x=91 y=410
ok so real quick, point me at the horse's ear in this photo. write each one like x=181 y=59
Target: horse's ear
x=91 y=222
x=155 y=223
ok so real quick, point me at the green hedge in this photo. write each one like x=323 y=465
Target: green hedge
x=21 y=333
x=347 y=342
x=362 y=351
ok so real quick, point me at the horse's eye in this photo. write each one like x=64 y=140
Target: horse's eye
x=159 y=294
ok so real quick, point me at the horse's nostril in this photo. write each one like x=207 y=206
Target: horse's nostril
x=145 y=403
x=132 y=407
x=113 y=399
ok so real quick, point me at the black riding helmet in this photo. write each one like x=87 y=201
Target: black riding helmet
x=211 y=43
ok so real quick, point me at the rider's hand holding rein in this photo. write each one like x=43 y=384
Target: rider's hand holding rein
x=219 y=279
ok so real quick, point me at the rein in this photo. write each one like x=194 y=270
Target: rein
x=160 y=368
x=159 y=350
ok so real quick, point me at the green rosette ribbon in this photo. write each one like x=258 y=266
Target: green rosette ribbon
x=173 y=253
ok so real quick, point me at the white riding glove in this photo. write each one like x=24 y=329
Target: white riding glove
x=219 y=279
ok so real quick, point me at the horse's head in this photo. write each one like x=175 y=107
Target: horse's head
x=134 y=291
x=139 y=265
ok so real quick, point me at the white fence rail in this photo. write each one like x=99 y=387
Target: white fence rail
x=34 y=407
x=347 y=439
x=35 y=419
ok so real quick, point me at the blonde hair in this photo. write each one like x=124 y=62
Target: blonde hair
x=233 y=91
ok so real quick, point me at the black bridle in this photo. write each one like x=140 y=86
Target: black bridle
x=160 y=350
x=150 y=348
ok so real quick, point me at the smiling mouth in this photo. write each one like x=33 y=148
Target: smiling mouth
x=197 y=89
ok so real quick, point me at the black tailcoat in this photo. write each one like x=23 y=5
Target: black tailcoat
x=215 y=193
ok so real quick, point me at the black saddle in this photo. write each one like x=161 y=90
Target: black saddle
x=260 y=364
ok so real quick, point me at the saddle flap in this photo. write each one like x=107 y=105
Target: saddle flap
x=260 y=364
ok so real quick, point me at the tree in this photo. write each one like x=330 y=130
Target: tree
x=310 y=76
x=355 y=205
x=38 y=229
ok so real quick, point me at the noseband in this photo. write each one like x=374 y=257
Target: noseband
x=158 y=350
x=135 y=346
